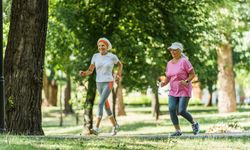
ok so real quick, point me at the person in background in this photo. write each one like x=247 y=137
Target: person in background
x=104 y=62
x=179 y=73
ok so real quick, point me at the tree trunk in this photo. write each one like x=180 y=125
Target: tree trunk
x=153 y=101
x=156 y=103
x=226 y=89
x=45 y=86
x=24 y=62
x=67 y=97
x=50 y=89
x=53 y=90
x=210 y=95
x=114 y=96
x=88 y=105
x=120 y=108
x=45 y=90
x=196 y=88
x=242 y=94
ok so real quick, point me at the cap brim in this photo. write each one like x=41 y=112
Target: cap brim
x=173 y=47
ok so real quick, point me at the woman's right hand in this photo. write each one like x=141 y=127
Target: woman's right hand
x=163 y=84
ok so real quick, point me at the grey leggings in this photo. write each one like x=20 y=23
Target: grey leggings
x=104 y=89
x=178 y=105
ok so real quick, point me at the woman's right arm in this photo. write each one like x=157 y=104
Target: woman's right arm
x=88 y=72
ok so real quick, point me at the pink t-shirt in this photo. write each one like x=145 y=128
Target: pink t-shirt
x=177 y=72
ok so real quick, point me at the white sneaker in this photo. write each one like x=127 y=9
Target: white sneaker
x=115 y=129
x=95 y=131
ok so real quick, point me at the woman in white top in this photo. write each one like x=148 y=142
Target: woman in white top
x=104 y=62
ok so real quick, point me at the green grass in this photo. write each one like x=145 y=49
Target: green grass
x=29 y=143
x=138 y=121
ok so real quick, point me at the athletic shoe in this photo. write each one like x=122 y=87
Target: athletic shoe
x=177 y=133
x=95 y=131
x=196 y=128
x=115 y=129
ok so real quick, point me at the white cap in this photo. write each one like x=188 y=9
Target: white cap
x=106 y=40
x=176 y=45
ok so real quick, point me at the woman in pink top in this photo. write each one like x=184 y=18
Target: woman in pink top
x=179 y=74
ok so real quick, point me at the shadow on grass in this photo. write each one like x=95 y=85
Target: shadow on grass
x=242 y=109
x=122 y=145
x=57 y=126
x=137 y=125
x=222 y=119
x=191 y=109
x=140 y=124
x=21 y=146
x=196 y=111
x=246 y=128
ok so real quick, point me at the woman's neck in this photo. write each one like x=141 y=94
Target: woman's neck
x=177 y=58
x=104 y=53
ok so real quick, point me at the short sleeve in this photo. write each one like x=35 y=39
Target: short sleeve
x=166 y=72
x=115 y=59
x=187 y=66
x=93 y=59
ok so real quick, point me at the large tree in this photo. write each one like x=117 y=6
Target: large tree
x=229 y=21
x=24 y=60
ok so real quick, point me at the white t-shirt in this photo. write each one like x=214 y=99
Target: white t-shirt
x=104 y=65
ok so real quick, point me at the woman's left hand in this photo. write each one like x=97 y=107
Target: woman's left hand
x=117 y=77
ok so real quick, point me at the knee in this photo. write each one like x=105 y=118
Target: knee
x=100 y=105
x=181 y=112
x=172 y=110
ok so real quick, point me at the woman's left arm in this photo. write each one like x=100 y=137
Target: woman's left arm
x=119 y=72
x=191 y=75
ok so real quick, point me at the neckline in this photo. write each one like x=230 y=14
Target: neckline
x=104 y=54
x=172 y=61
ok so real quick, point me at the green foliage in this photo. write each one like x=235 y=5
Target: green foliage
x=6 y=21
x=60 y=47
x=141 y=31
x=226 y=23
x=10 y=102
x=141 y=100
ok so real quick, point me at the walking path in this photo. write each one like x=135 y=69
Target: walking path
x=158 y=136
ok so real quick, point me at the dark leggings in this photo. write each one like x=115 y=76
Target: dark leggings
x=178 y=105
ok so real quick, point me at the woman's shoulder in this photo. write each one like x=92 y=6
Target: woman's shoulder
x=170 y=61
x=185 y=62
x=111 y=54
x=184 y=59
x=96 y=54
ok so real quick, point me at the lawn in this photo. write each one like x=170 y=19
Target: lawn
x=138 y=121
